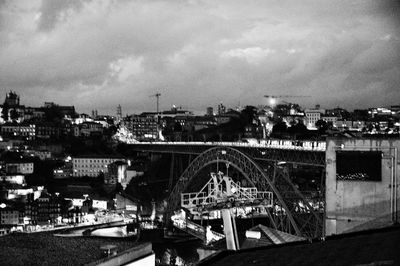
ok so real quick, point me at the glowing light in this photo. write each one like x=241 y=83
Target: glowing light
x=272 y=101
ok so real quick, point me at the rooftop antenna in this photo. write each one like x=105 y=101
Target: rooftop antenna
x=157 y=95
x=119 y=111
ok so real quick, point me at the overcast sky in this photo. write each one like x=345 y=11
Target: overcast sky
x=98 y=54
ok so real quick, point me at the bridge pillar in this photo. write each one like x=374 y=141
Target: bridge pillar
x=232 y=241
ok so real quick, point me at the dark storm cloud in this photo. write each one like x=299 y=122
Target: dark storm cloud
x=98 y=54
x=53 y=10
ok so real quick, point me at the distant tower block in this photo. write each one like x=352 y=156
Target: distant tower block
x=221 y=109
x=119 y=112
x=210 y=111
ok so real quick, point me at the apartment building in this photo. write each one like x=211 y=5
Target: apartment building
x=92 y=166
x=19 y=167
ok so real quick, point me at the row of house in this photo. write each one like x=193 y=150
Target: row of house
x=14 y=172
x=13 y=111
x=174 y=124
x=50 y=130
x=114 y=169
x=50 y=121
x=50 y=209
x=341 y=119
x=148 y=125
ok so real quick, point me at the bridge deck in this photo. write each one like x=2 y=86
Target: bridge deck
x=300 y=152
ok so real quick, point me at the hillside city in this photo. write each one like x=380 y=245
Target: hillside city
x=60 y=167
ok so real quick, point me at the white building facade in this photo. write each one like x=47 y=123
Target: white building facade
x=91 y=166
x=313 y=115
x=19 y=168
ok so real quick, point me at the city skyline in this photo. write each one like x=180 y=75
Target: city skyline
x=98 y=54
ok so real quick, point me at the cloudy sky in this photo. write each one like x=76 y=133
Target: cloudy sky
x=98 y=54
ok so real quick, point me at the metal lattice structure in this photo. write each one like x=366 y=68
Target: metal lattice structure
x=222 y=192
x=307 y=207
x=292 y=211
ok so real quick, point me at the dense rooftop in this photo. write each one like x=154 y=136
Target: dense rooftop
x=45 y=249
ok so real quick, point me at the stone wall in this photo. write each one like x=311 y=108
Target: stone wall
x=354 y=205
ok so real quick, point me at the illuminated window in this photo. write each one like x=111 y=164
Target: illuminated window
x=359 y=165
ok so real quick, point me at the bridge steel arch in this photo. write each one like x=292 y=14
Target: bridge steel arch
x=283 y=217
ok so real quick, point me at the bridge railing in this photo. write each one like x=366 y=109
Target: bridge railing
x=241 y=196
x=205 y=234
x=191 y=228
x=190 y=200
x=197 y=200
x=278 y=144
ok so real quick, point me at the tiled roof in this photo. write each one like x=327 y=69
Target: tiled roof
x=374 y=247
x=46 y=249
x=269 y=237
x=276 y=236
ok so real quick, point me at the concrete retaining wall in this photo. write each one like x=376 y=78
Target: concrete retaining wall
x=361 y=205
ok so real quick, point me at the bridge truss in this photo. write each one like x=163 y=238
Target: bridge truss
x=222 y=192
x=299 y=156
x=293 y=211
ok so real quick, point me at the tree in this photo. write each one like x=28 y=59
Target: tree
x=14 y=115
x=248 y=115
x=177 y=127
x=322 y=126
x=279 y=127
x=298 y=128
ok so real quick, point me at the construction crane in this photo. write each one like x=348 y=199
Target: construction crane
x=273 y=98
x=286 y=96
x=157 y=95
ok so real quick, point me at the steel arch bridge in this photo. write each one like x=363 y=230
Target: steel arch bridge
x=292 y=211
